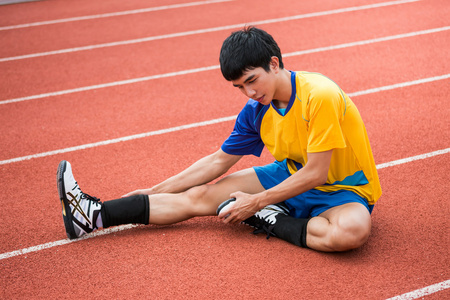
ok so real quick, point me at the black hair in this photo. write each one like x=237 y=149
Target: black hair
x=247 y=49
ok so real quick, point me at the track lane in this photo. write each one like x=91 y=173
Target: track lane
x=57 y=9
x=109 y=15
x=116 y=63
x=401 y=122
x=203 y=123
x=160 y=22
x=213 y=67
x=392 y=233
x=147 y=161
x=82 y=118
x=114 y=229
x=35 y=197
x=80 y=34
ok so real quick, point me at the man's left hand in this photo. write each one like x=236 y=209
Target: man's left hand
x=244 y=207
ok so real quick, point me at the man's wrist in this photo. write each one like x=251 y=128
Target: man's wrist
x=261 y=200
x=157 y=189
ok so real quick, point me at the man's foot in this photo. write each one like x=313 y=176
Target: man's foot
x=80 y=211
x=264 y=220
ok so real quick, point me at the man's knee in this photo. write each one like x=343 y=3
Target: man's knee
x=351 y=233
x=197 y=194
x=199 y=199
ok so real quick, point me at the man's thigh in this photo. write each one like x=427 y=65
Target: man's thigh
x=243 y=181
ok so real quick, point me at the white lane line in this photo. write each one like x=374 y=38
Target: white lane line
x=423 y=291
x=201 y=31
x=110 y=84
x=114 y=14
x=400 y=85
x=66 y=241
x=371 y=41
x=199 y=124
x=412 y=158
x=118 y=140
x=125 y=227
x=197 y=70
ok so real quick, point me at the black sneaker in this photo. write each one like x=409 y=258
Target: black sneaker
x=80 y=211
x=264 y=220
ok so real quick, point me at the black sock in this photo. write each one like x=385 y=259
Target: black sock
x=291 y=229
x=129 y=210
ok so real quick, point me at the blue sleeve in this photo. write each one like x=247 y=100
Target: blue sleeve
x=245 y=138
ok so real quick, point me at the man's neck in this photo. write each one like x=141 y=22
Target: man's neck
x=280 y=104
x=284 y=90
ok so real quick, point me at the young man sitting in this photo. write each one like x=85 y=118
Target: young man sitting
x=318 y=193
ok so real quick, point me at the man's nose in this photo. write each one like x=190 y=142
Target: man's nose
x=250 y=92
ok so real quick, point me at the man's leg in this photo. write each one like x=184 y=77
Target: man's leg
x=340 y=228
x=83 y=214
x=201 y=200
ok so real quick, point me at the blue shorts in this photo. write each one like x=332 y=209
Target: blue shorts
x=311 y=203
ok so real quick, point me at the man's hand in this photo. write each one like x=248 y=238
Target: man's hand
x=244 y=207
x=140 y=192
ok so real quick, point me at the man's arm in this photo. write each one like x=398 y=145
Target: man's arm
x=313 y=174
x=203 y=171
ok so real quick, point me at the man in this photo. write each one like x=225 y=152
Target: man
x=319 y=192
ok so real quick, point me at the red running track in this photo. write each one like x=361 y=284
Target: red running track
x=203 y=258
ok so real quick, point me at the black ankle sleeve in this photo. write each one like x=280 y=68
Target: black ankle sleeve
x=291 y=230
x=130 y=210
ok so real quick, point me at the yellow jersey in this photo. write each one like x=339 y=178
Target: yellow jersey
x=318 y=118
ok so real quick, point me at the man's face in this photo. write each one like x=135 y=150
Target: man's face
x=257 y=84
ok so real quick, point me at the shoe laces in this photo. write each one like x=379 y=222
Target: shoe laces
x=267 y=219
x=265 y=229
x=86 y=196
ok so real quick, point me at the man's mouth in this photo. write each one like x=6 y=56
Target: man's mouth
x=260 y=99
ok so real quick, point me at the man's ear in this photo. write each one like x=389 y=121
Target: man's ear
x=274 y=64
